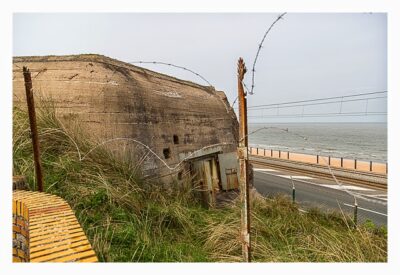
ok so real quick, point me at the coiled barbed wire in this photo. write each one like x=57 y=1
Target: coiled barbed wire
x=259 y=49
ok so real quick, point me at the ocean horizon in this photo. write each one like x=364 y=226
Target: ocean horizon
x=362 y=141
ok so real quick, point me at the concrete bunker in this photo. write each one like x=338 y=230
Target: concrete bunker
x=123 y=106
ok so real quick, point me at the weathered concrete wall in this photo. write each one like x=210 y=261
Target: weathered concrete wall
x=112 y=99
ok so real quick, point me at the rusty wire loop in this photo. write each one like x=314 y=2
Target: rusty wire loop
x=273 y=127
x=247 y=92
x=172 y=65
x=259 y=49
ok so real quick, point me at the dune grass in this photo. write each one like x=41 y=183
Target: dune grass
x=130 y=219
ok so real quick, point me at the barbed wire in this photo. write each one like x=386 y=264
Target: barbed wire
x=259 y=49
x=152 y=152
x=322 y=115
x=272 y=127
x=341 y=186
x=46 y=131
x=366 y=97
x=247 y=92
x=318 y=99
x=314 y=104
x=172 y=65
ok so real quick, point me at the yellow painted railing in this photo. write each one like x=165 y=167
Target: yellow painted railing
x=45 y=229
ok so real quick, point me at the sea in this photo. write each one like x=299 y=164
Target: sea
x=361 y=141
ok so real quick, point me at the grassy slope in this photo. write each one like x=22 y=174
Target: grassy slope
x=129 y=219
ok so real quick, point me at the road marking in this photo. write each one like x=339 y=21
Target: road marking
x=295 y=177
x=330 y=186
x=262 y=170
x=368 y=210
x=348 y=187
x=379 y=197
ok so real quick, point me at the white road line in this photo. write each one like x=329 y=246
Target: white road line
x=368 y=210
x=348 y=187
x=321 y=185
x=295 y=177
x=262 y=170
x=379 y=197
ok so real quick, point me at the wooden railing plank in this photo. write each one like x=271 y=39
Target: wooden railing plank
x=54 y=232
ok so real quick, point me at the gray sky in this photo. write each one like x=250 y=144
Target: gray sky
x=305 y=56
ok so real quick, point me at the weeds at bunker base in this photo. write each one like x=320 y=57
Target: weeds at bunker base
x=129 y=219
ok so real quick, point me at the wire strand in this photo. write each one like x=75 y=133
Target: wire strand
x=317 y=99
x=314 y=104
x=172 y=65
x=259 y=49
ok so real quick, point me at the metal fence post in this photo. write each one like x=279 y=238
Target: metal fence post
x=293 y=191
x=341 y=162
x=329 y=160
x=355 y=164
x=279 y=153
x=33 y=126
x=317 y=159
x=243 y=164
x=264 y=152
x=355 y=212
x=294 y=194
x=370 y=166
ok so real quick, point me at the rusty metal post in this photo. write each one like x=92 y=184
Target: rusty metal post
x=32 y=122
x=243 y=164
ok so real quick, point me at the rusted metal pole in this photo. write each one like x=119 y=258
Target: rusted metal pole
x=243 y=164
x=32 y=122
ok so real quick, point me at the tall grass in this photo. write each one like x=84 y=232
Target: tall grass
x=128 y=218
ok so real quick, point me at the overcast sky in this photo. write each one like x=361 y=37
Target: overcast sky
x=305 y=56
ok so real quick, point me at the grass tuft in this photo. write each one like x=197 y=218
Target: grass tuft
x=130 y=219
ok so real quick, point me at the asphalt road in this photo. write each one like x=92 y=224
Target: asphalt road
x=323 y=193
